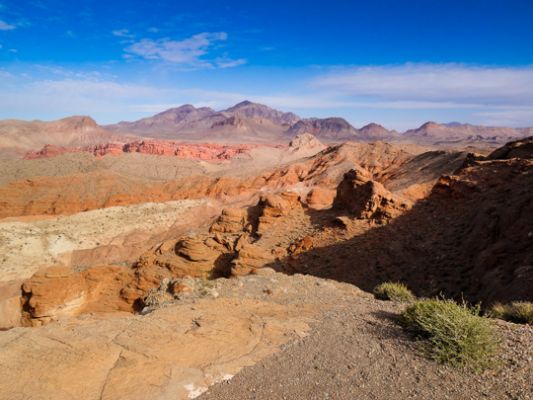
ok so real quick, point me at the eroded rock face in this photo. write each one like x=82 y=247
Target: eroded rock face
x=199 y=256
x=275 y=206
x=231 y=220
x=366 y=198
x=59 y=292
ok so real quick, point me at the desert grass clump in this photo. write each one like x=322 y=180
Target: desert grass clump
x=520 y=312
x=394 y=291
x=453 y=333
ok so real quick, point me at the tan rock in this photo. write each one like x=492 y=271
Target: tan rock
x=249 y=258
x=10 y=305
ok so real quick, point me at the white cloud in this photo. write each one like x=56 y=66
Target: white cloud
x=54 y=91
x=105 y=100
x=88 y=88
x=4 y=26
x=124 y=33
x=190 y=52
x=229 y=63
x=450 y=83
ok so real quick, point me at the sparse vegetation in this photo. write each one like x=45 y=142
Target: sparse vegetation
x=394 y=291
x=453 y=333
x=520 y=312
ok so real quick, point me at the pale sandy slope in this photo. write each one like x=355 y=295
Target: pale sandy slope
x=28 y=245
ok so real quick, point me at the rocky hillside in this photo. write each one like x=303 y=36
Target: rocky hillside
x=469 y=238
x=72 y=131
x=170 y=121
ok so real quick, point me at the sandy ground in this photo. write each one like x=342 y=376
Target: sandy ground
x=28 y=245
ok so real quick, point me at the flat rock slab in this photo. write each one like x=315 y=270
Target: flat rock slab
x=175 y=352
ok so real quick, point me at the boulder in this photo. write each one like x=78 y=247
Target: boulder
x=53 y=293
x=59 y=292
x=320 y=198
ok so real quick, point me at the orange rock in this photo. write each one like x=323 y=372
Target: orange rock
x=231 y=220
x=59 y=292
x=320 y=198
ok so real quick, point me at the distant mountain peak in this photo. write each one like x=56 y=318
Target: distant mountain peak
x=373 y=131
x=246 y=103
x=373 y=125
x=429 y=124
x=248 y=109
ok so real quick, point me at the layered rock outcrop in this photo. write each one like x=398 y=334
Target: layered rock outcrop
x=365 y=198
x=193 y=151
x=59 y=292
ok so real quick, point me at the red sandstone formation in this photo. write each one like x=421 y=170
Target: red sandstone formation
x=195 y=151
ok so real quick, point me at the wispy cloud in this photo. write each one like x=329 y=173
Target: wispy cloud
x=223 y=62
x=191 y=52
x=54 y=91
x=123 y=33
x=452 y=83
x=4 y=26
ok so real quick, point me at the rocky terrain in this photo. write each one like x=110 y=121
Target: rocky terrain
x=134 y=268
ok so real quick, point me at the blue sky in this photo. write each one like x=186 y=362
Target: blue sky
x=399 y=63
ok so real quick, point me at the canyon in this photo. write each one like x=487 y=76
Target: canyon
x=175 y=256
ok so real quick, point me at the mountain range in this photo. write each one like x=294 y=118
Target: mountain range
x=245 y=122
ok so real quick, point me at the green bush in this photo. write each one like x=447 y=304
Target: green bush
x=453 y=333
x=520 y=312
x=393 y=291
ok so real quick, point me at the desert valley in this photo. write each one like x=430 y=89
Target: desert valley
x=280 y=200
x=156 y=258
